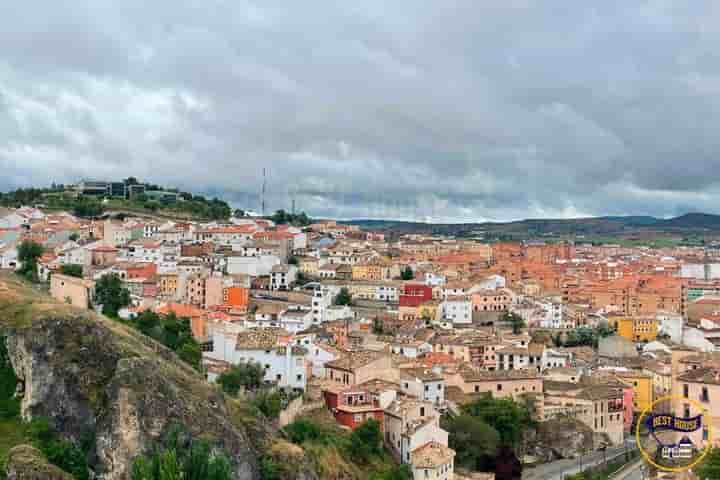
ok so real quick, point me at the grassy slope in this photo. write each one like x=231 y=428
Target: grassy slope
x=12 y=433
x=330 y=457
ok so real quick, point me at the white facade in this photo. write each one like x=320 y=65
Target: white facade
x=295 y=321
x=322 y=305
x=434 y=280
x=253 y=266
x=284 y=365
x=554 y=359
x=282 y=277
x=457 y=311
x=432 y=390
x=9 y=258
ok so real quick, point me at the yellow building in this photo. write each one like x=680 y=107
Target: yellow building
x=373 y=269
x=308 y=266
x=642 y=385
x=428 y=310
x=168 y=284
x=637 y=329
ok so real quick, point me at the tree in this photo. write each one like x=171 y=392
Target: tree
x=72 y=270
x=280 y=217
x=181 y=459
x=397 y=472
x=269 y=403
x=293 y=260
x=407 y=273
x=710 y=466
x=110 y=293
x=514 y=320
x=304 y=430
x=190 y=353
x=87 y=208
x=238 y=213
x=343 y=297
x=366 y=440
x=506 y=416
x=73 y=237
x=247 y=375
x=474 y=441
x=28 y=254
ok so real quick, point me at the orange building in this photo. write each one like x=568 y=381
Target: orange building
x=236 y=298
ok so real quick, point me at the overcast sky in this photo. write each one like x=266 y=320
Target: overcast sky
x=457 y=110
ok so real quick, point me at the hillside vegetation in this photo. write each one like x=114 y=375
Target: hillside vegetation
x=113 y=393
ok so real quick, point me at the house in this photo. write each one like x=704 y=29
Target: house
x=360 y=366
x=271 y=347
x=423 y=384
x=498 y=300
x=636 y=329
x=410 y=348
x=700 y=383
x=283 y=276
x=355 y=404
x=75 y=291
x=414 y=295
x=457 y=309
x=411 y=424
x=600 y=407
x=296 y=319
x=499 y=384
x=433 y=461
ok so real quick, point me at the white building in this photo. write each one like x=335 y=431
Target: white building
x=411 y=424
x=433 y=461
x=457 y=309
x=252 y=266
x=322 y=305
x=296 y=320
x=423 y=384
x=283 y=276
x=318 y=353
x=8 y=257
x=273 y=348
x=434 y=279
x=410 y=348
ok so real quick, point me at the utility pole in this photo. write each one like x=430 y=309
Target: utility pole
x=262 y=197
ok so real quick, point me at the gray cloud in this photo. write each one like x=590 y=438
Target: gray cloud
x=451 y=111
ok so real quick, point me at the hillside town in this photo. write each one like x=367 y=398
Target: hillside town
x=405 y=329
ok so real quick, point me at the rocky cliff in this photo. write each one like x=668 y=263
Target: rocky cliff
x=94 y=378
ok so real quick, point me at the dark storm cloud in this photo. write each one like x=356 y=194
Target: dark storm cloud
x=429 y=110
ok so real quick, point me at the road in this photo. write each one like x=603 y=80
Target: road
x=635 y=473
x=561 y=468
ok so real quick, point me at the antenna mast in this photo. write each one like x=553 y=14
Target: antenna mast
x=262 y=198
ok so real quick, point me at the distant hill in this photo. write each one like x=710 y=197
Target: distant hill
x=608 y=225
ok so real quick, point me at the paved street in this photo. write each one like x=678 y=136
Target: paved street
x=557 y=470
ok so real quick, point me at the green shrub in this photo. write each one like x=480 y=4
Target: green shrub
x=269 y=403
x=366 y=441
x=176 y=458
x=303 y=430
x=59 y=452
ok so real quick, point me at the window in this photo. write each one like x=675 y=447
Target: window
x=422 y=411
x=477 y=388
x=704 y=396
x=685 y=390
x=686 y=410
x=299 y=377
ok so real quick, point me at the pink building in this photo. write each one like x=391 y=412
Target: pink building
x=628 y=407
